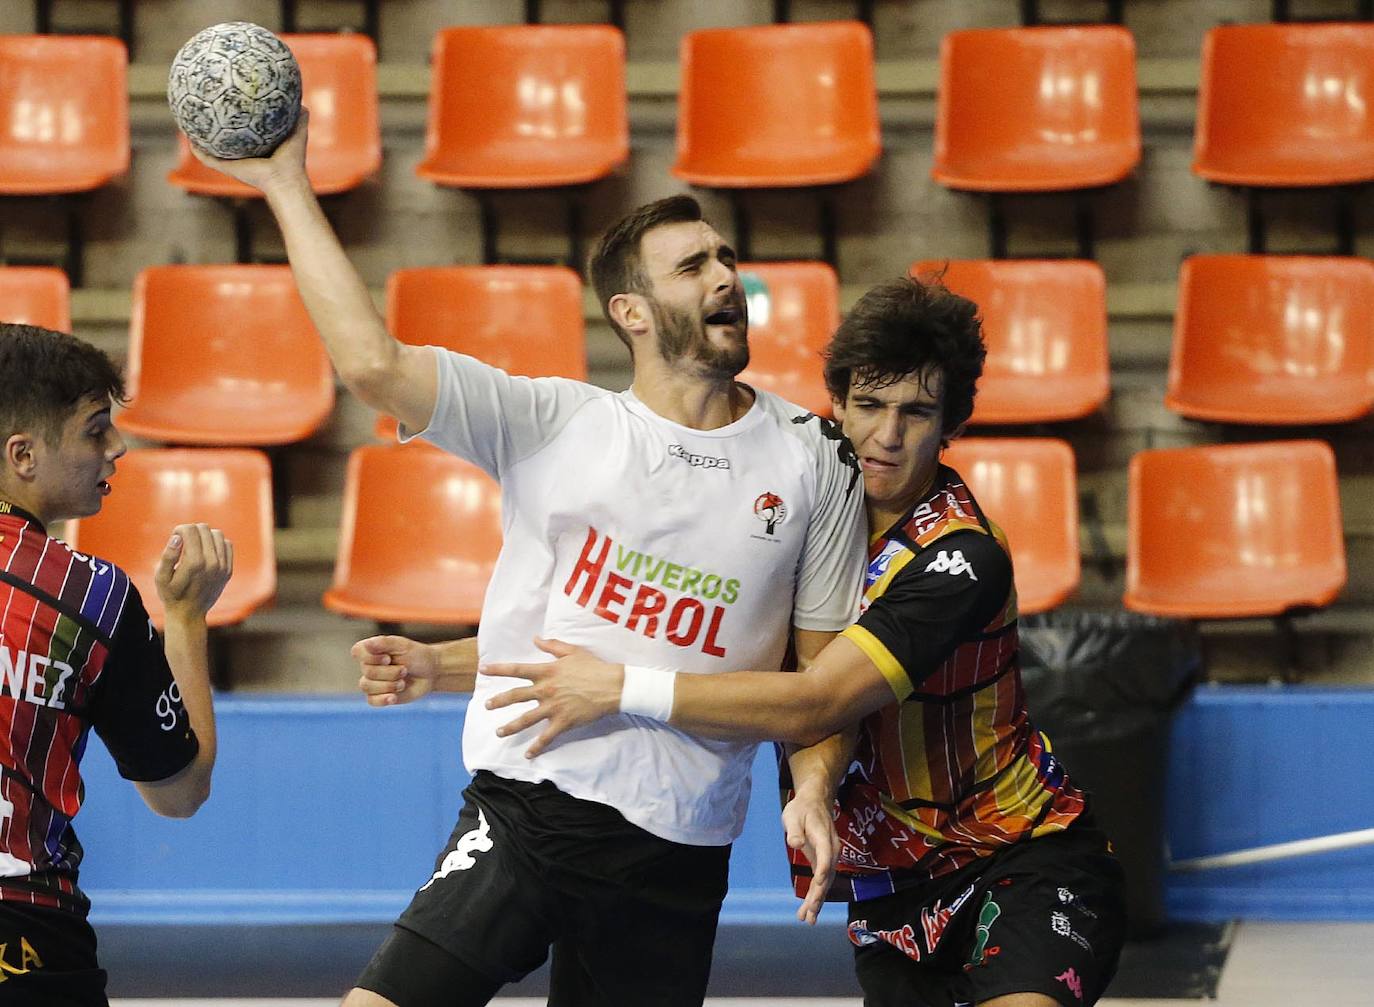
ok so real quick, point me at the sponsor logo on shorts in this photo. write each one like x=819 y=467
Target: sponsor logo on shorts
x=28 y=960
x=1068 y=898
x=697 y=461
x=1060 y=924
x=935 y=918
x=987 y=916
x=904 y=940
x=463 y=857
x=1070 y=979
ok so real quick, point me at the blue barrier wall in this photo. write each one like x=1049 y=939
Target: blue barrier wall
x=1255 y=766
x=327 y=810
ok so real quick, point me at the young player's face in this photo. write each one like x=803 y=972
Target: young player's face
x=71 y=477
x=697 y=300
x=897 y=431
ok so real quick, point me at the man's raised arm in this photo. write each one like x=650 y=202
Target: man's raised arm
x=387 y=375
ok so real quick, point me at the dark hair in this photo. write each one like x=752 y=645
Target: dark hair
x=615 y=264
x=907 y=327
x=44 y=375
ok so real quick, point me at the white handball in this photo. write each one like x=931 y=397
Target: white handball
x=235 y=90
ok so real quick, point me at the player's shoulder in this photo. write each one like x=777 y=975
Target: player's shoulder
x=962 y=557
x=99 y=588
x=819 y=436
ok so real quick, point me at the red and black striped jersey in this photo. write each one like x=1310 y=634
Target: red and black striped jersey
x=77 y=651
x=953 y=770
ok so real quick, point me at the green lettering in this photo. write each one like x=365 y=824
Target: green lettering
x=623 y=557
x=690 y=580
x=731 y=591
x=670 y=578
x=710 y=587
x=652 y=569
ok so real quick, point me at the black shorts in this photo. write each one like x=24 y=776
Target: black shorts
x=47 y=959
x=1045 y=916
x=631 y=917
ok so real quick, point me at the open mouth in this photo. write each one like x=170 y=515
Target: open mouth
x=725 y=316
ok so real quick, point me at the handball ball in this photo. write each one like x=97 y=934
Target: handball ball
x=235 y=90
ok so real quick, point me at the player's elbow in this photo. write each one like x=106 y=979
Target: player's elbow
x=372 y=375
x=180 y=797
x=184 y=803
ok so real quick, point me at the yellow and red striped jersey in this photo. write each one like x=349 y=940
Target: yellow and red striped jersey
x=953 y=770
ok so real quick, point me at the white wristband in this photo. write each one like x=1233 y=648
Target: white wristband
x=647 y=692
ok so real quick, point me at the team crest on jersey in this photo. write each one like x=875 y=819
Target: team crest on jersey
x=770 y=509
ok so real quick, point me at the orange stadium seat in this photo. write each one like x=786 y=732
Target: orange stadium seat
x=421 y=531
x=35 y=295
x=1234 y=530
x=1036 y=109
x=64 y=113
x=1273 y=339
x=524 y=319
x=1028 y=486
x=794 y=309
x=339 y=87
x=153 y=490
x=526 y=106
x=224 y=355
x=806 y=113
x=1286 y=105
x=1045 y=324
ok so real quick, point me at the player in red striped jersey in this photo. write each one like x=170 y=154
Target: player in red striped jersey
x=973 y=873
x=77 y=650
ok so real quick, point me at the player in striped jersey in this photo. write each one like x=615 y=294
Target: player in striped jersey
x=77 y=650
x=973 y=872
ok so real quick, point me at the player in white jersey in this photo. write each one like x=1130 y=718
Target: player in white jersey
x=689 y=522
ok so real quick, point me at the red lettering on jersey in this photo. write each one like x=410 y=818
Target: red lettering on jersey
x=589 y=566
x=710 y=646
x=677 y=633
x=649 y=601
x=612 y=594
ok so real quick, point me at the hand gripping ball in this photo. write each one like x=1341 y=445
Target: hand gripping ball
x=235 y=90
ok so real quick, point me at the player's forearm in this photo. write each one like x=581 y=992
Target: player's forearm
x=362 y=350
x=817 y=769
x=457 y=670
x=186 y=641
x=755 y=706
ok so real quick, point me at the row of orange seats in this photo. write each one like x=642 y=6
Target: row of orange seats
x=1214 y=532
x=545 y=105
x=1257 y=339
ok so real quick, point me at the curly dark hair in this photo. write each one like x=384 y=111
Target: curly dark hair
x=909 y=327
x=615 y=264
x=44 y=375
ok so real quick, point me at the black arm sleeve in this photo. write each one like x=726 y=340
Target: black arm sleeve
x=943 y=598
x=136 y=707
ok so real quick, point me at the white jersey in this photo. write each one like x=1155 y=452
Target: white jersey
x=648 y=543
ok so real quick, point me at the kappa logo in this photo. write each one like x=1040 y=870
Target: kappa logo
x=462 y=858
x=952 y=563
x=697 y=461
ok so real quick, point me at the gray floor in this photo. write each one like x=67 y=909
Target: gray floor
x=1269 y=965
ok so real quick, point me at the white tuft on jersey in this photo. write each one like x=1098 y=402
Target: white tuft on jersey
x=648 y=543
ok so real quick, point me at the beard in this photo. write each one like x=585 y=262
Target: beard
x=682 y=338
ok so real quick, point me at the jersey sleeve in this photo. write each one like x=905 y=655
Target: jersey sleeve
x=830 y=573
x=946 y=595
x=136 y=707
x=494 y=419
